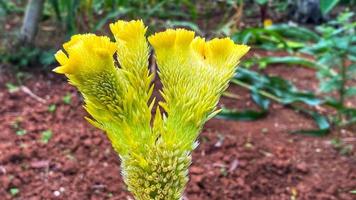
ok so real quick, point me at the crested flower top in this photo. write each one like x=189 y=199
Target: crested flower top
x=86 y=50
x=194 y=73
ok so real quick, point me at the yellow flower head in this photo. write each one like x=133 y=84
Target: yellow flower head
x=85 y=53
x=127 y=31
x=267 y=23
x=132 y=48
x=170 y=38
x=217 y=52
x=194 y=73
x=224 y=53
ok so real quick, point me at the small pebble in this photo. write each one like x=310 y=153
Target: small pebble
x=56 y=193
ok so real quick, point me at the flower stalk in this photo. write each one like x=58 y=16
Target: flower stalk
x=154 y=157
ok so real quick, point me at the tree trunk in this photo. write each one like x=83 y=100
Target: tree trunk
x=305 y=11
x=30 y=23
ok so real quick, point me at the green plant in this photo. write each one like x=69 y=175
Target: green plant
x=12 y=88
x=67 y=99
x=52 y=108
x=21 y=132
x=266 y=88
x=14 y=191
x=341 y=147
x=46 y=136
x=26 y=56
x=263 y=62
x=16 y=125
x=333 y=47
x=276 y=37
x=327 y=5
x=92 y=15
x=336 y=57
x=8 y=7
x=194 y=73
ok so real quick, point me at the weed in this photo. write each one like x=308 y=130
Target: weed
x=52 y=108
x=67 y=99
x=46 y=136
x=14 y=191
x=21 y=132
x=333 y=51
x=12 y=88
x=341 y=147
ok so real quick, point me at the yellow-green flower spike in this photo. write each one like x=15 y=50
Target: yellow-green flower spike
x=155 y=153
x=194 y=74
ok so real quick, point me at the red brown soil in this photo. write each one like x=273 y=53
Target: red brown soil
x=257 y=160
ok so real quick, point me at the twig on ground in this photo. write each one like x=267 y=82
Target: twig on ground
x=31 y=94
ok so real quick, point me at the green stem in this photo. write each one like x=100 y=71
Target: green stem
x=231 y=95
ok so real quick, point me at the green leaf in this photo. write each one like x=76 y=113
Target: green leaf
x=14 y=191
x=12 y=88
x=186 y=24
x=279 y=90
x=261 y=101
x=341 y=43
x=67 y=99
x=52 y=108
x=111 y=15
x=289 y=60
x=321 y=121
x=350 y=115
x=350 y=91
x=327 y=5
x=46 y=136
x=262 y=2
x=278 y=36
x=46 y=58
x=352 y=68
x=284 y=91
x=294 y=32
x=260 y=36
x=21 y=132
x=248 y=115
x=331 y=84
x=245 y=115
x=320 y=47
x=71 y=7
x=334 y=103
x=55 y=5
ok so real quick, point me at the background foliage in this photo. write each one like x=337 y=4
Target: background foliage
x=328 y=48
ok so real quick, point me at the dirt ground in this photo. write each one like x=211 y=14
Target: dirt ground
x=257 y=160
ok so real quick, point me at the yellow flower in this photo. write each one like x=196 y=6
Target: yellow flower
x=267 y=23
x=194 y=73
x=132 y=48
x=87 y=53
x=117 y=96
x=132 y=54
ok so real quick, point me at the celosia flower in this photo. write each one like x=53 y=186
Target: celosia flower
x=155 y=158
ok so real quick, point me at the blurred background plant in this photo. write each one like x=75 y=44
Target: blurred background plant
x=335 y=53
